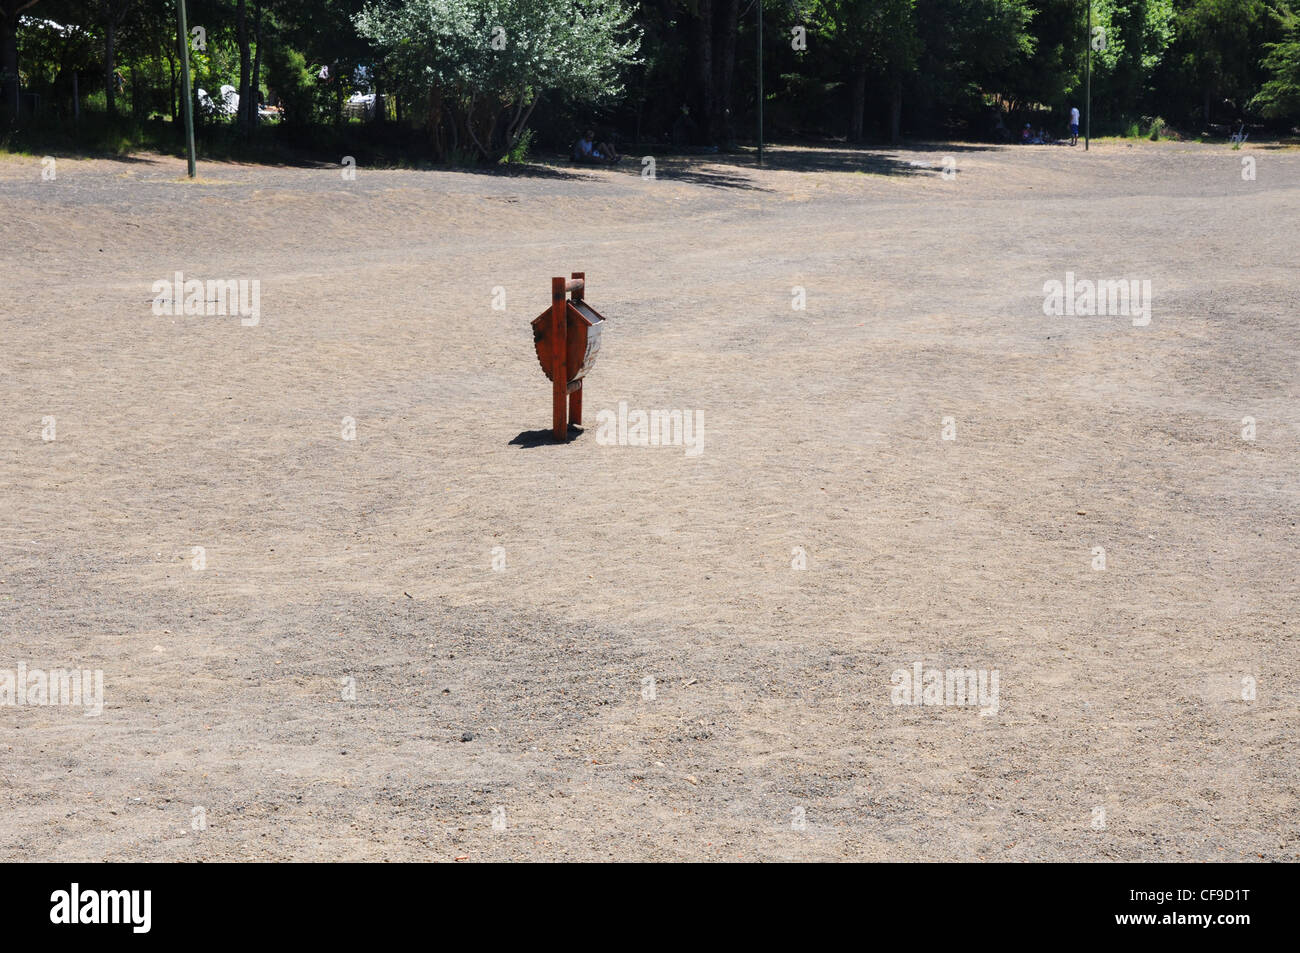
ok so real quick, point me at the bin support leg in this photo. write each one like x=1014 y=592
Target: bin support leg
x=559 y=374
x=575 y=399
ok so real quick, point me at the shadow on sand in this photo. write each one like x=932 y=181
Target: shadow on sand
x=542 y=438
x=735 y=170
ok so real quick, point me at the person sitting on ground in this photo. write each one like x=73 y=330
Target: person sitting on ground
x=587 y=150
x=1026 y=136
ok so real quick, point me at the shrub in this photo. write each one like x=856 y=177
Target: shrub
x=288 y=76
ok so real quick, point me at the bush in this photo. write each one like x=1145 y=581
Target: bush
x=519 y=151
x=94 y=134
x=288 y=77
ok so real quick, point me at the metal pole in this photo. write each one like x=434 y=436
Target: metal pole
x=1087 y=72
x=760 y=82
x=185 y=83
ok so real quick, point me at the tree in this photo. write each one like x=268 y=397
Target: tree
x=9 y=13
x=1280 y=95
x=1221 y=49
x=326 y=34
x=1139 y=37
x=871 y=36
x=244 y=41
x=969 y=49
x=844 y=26
x=483 y=64
x=112 y=15
x=715 y=24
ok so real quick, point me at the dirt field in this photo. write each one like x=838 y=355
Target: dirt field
x=230 y=728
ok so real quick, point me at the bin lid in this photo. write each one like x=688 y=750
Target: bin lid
x=581 y=309
x=585 y=311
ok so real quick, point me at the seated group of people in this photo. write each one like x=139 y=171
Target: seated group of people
x=1028 y=138
x=587 y=149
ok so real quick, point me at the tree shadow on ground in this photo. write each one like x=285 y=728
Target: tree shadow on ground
x=126 y=158
x=874 y=160
x=712 y=172
x=543 y=168
x=737 y=170
x=729 y=170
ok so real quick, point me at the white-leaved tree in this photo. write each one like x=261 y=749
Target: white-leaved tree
x=483 y=64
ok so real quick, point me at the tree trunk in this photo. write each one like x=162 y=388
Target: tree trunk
x=859 y=104
x=704 y=70
x=9 y=58
x=245 y=63
x=255 y=87
x=729 y=25
x=896 y=110
x=110 y=61
x=10 y=88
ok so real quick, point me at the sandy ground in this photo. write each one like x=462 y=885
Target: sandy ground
x=522 y=695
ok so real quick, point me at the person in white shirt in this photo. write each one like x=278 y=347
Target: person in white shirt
x=587 y=150
x=1074 y=125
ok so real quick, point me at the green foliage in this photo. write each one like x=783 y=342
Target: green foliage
x=1280 y=95
x=287 y=74
x=882 y=32
x=680 y=71
x=485 y=63
x=519 y=151
x=96 y=134
x=1221 y=44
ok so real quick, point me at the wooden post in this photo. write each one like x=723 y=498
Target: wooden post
x=575 y=399
x=559 y=374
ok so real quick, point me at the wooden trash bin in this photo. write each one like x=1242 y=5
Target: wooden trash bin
x=567 y=339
